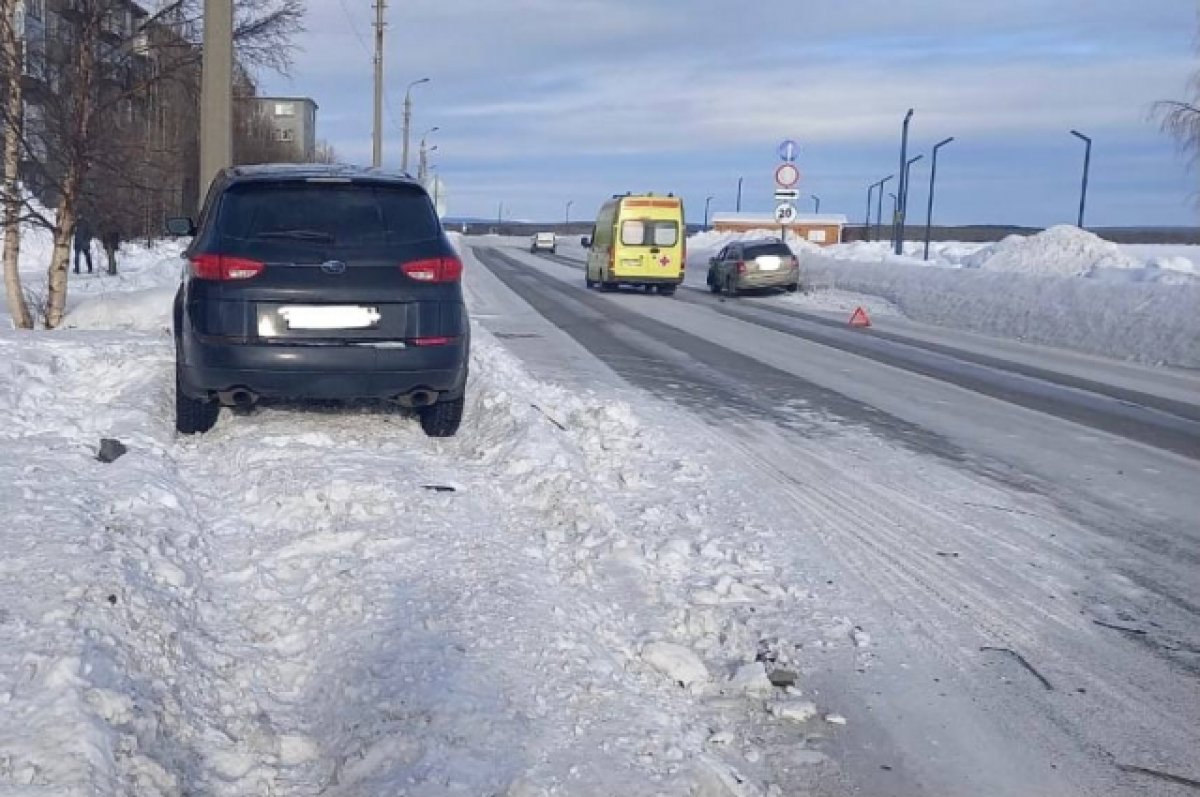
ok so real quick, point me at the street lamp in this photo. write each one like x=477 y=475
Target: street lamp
x=904 y=197
x=568 y=215
x=421 y=162
x=408 y=120
x=816 y=203
x=932 y=178
x=879 y=206
x=898 y=225
x=707 y=202
x=738 y=206
x=895 y=210
x=1087 y=162
x=867 y=226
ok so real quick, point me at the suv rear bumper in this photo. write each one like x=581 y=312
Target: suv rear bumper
x=322 y=371
x=769 y=279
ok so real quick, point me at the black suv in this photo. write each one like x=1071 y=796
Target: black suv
x=319 y=282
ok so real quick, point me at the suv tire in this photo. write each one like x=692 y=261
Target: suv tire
x=442 y=419
x=193 y=416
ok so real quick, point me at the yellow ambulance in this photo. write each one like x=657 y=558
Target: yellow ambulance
x=638 y=240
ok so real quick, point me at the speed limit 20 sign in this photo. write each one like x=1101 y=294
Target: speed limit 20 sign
x=785 y=213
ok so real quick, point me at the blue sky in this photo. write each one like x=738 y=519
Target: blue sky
x=544 y=101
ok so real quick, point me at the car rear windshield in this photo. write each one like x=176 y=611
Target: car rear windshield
x=649 y=232
x=293 y=214
x=761 y=250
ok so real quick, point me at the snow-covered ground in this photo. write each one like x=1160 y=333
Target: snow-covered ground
x=307 y=601
x=1063 y=287
x=146 y=272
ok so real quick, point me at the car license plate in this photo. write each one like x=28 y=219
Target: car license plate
x=768 y=263
x=329 y=317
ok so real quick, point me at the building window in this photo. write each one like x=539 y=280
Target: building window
x=284 y=135
x=285 y=109
x=816 y=236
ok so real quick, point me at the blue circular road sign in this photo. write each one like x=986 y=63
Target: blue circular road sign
x=788 y=150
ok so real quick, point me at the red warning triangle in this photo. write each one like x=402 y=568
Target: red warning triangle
x=860 y=319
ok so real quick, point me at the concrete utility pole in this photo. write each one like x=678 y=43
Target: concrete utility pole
x=738 y=206
x=408 y=121
x=216 y=93
x=707 y=203
x=377 y=138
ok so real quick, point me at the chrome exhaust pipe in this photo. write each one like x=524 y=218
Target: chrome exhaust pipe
x=417 y=398
x=238 y=397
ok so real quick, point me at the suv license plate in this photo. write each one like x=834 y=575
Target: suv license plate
x=329 y=317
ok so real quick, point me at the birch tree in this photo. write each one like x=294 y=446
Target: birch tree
x=12 y=62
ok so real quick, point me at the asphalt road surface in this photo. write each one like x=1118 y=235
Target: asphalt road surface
x=1045 y=641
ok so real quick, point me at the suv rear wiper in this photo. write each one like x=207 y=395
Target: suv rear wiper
x=300 y=235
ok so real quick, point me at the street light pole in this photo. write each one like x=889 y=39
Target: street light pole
x=867 y=224
x=408 y=121
x=895 y=210
x=568 y=214
x=932 y=180
x=879 y=207
x=423 y=154
x=707 y=202
x=898 y=216
x=817 y=203
x=738 y=206
x=1087 y=163
x=904 y=197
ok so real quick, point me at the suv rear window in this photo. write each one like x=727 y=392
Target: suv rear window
x=649 y=232
x=257 y=215
x=759 y=250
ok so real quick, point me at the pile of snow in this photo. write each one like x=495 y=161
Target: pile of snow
x=1064 y=251
x=148 y=309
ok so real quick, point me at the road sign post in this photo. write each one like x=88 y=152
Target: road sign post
x=787 y=177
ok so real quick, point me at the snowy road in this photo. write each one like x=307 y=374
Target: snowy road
x=1016 y=526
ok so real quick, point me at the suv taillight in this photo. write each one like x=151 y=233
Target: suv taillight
x=741 y=267
x=222 y=268
x=434 y=269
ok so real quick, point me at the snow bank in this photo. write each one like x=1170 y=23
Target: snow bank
x=145 y=309
x=1147 y=322
x=1062 y=287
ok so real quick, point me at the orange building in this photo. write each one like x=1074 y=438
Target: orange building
x=824 y=229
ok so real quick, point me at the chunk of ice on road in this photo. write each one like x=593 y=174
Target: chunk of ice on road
x=676 y=662
x=751 y=679
x=794 y=710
